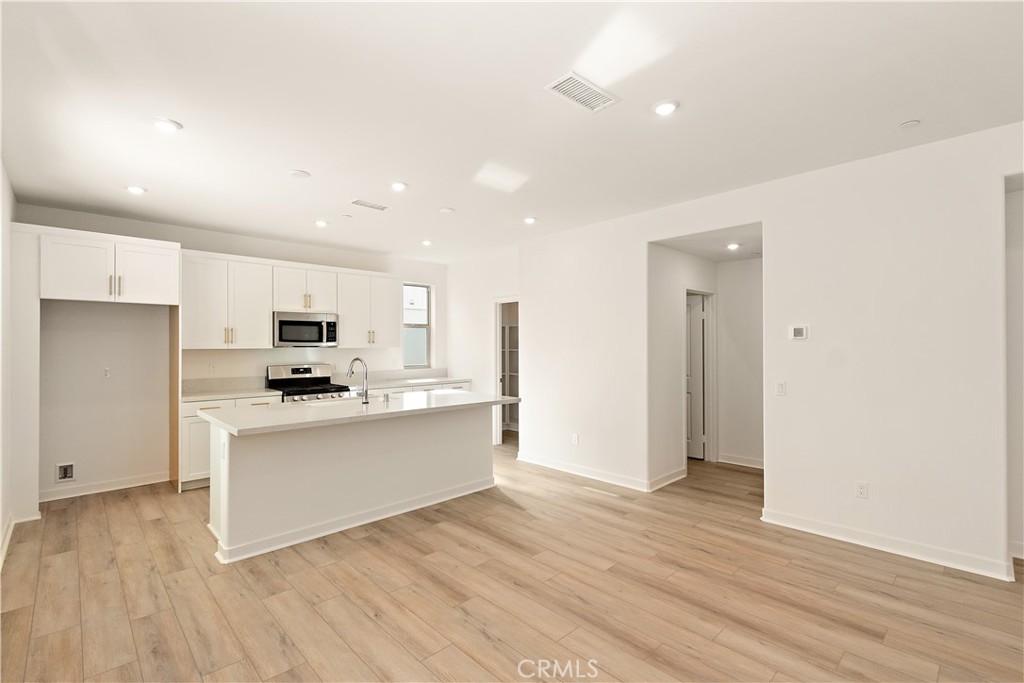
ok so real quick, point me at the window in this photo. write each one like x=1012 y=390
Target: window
x=416 y=326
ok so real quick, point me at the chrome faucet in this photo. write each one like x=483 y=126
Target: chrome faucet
x=365 y=393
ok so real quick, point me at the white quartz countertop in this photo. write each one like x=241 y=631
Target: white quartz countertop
x=355 y=381
x=229 y=394
x=280 y=417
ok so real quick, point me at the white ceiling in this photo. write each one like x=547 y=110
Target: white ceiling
x=712 y=245
x=450 y=98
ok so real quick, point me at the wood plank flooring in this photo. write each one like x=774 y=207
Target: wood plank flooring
x=603 y=583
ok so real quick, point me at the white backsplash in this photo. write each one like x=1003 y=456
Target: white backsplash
x=243 y=368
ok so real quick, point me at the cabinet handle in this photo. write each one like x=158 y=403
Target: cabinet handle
x=253 y=405
x=225 y=335
x=368 y=333
x=232 y=335
x=110 y=285
x=119 y=285
x=310 y=300
x=374 y=333
x=209 y=408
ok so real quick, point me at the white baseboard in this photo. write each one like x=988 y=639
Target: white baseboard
x=666 y=479
x=599 y=475
x=9 y=533
x=997 y=569
x=745 y=460
x=1017 y=549
x=101 y=486
x=266 y=545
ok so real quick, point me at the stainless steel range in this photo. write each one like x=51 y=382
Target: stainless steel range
x=305 y=383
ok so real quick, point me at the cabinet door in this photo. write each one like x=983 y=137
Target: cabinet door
x=195 y=449
x=386 y=311
x=354 y=311
x=289 y=289
x=76 y=268
x=250 y=305
x=204 y=302
x=148 y=275
x=322 y=288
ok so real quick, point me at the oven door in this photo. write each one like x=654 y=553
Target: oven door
x=303 y=329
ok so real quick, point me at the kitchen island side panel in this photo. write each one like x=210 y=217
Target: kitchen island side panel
x=276 y=489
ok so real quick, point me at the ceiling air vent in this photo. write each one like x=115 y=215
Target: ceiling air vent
x=370 y=205
x=582 y=92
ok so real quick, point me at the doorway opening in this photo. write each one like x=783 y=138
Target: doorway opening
x=698 y=408
x=507 y=424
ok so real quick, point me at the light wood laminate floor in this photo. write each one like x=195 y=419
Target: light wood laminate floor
x=683 y=584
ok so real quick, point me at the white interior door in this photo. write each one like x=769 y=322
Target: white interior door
x=696 y=434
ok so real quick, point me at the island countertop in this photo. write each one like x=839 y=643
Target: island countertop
x=278 y=417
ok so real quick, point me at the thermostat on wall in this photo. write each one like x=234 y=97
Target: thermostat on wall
x=799 y=331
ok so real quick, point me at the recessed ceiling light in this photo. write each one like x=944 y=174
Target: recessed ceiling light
x=732 y=246
x=529 y=220
x=399 y=186
x=167 y=126
x=666 y=108
x=426 y=243
x=320 y=223
x=299 y=173
x=135 y=189
x=912 y=123
x=447 y=209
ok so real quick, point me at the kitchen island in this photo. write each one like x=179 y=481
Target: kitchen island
x=282 y=474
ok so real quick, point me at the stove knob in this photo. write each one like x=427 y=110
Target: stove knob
x=319 y=396
x=305 y=398
x=334 y=396
x=295 y=398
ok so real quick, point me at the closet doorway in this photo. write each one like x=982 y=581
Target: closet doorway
x=508 y=369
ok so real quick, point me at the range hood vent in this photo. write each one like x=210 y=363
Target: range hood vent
x=582 y=92
x=370 y=205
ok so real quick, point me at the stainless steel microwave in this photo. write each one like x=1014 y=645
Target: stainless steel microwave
x=305 y=329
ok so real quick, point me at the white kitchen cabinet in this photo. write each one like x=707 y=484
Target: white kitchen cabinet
x=147 y=274
x=76 y=268
x=194 y=440
x=102 y=268
x=226 y=304
x=370 y=311
x=204 y=302
x=250 y=305
x=299 y=289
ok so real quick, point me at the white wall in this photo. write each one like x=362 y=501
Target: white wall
x=114 y=430
x=740 y=367
x=1015 y=366
x=6 y=511
x=877 y=256
x=419 y=272
x=474 y=289
x=669 y=275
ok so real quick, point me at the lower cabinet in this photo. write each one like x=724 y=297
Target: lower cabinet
x=194 y=438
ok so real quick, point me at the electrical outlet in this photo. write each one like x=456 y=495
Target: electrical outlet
x=862 y=489
x=212 y=369
x=105 y=372
x=575 y=439
x=780 y=388
x=65 y=472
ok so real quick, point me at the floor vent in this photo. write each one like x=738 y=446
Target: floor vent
x=370 y=205
x=582 y=92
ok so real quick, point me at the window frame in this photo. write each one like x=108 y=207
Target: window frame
x=428 y=326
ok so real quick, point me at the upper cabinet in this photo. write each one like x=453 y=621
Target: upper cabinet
x=300 y=289
x=226 y=304
x=370 y=311
x=107 y=268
